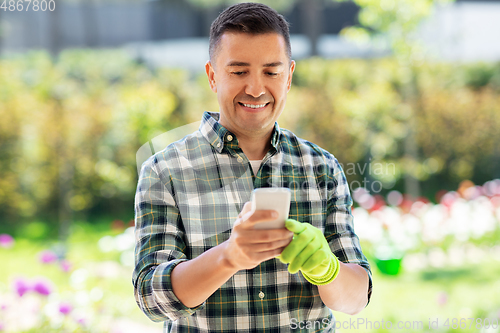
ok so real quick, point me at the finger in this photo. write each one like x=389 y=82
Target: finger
x=246 y=208
x=317 y=259
x=266 y=236
x=303 y=256
x=296 y=246
x=283 y=243
x=270 y=254
x=295 y=226
x=237 y=221
x=259 y=256
x=252 y=218
x=268 y=246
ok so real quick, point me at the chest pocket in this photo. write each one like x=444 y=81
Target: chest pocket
x=308 y=195
x=307 y=205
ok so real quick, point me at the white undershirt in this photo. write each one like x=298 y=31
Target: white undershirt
x=255 y=165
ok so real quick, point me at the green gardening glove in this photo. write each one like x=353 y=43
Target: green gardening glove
x=309 y=252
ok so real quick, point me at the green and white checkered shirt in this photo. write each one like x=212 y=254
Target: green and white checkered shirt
x=188 y=197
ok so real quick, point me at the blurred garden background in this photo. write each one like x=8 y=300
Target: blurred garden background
x=405 y=93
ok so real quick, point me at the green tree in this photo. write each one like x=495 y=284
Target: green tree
x=396 y=23
x=71 y=127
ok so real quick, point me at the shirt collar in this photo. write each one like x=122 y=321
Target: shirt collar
x=217 y=135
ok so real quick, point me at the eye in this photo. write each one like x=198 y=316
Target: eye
x=238 y=73
x=271 y=74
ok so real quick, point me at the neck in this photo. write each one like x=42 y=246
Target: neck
x=255 y=148
x=254 y=143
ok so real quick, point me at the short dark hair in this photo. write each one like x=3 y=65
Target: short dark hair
x=251 y=18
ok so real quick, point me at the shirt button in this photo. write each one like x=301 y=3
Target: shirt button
x=261 y=295
x=229 y=137
x=218 y=145
x=240 y=159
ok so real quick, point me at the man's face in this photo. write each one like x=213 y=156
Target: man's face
x=251 y=76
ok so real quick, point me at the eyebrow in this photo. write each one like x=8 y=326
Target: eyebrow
x=246 y=64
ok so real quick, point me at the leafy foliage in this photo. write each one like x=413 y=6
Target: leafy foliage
x=395 y=21
x=70 y=129
x=356 y=109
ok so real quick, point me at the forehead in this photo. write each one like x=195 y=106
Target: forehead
x=251 y=48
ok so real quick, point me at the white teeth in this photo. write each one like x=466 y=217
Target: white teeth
x=254 y=106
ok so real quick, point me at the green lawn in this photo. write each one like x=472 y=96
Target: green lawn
x=412 y=298
x=98 y=288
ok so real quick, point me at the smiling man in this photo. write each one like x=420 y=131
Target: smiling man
x=251 y=74
x=200 y=264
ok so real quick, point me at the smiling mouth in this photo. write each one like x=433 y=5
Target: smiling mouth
x=254 y=106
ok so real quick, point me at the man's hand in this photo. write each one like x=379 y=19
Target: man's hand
x=247 y=247
x=309 y=252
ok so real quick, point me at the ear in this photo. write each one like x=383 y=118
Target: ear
x=211 y=76
x=290 y=74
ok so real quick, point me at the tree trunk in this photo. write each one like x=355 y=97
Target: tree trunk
x=409 y=94
x=64 y=168
x=90 y=23
x=54 y=33
x=412 y=185
x=311 y=15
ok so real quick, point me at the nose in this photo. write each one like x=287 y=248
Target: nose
x=254 y=86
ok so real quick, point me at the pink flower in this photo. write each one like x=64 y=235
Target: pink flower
x=47 y=257
x=442 y=298
x=65 y=308
x=21 y=286
x=82 y=321
x=65 y=265
x=6 y=241
x=43 y=287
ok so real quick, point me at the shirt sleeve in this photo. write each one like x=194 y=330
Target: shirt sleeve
x=339 y=227
x=160 y=246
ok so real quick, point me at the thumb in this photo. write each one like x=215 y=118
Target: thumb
x=295 y=226
x=246 y=209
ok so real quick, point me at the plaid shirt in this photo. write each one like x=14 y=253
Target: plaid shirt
x=187 y=199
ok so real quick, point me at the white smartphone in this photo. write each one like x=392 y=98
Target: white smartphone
x=275 y=198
